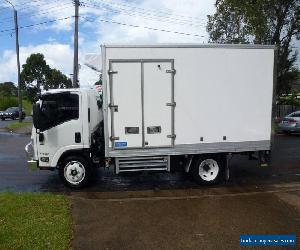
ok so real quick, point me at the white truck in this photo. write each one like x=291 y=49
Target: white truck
x=162 y=105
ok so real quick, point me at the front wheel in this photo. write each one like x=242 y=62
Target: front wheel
x=75 y=172
x=207 y=170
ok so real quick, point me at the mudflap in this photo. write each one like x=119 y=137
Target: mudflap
x=227 y=169
x=264 y=158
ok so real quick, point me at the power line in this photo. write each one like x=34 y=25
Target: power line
x=144 y=12
x=37 y=24
x=29 y=3
x=106 y=21
x=5 y=20
x=151 y=10
x=152 y=18
x=20 y=4
x=41 y=3
x=143 y=27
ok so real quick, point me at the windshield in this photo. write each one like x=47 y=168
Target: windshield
x=10 y=110
x=58 y=108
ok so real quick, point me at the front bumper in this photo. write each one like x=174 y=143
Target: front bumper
x=32 y=163
x=6 y=115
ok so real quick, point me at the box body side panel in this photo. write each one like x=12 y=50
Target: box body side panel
x=222 y=95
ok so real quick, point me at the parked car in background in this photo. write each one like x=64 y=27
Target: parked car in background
x=12 y=113
x=290 y=123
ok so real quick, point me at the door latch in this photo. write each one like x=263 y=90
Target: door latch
x=171 y=136
x=172 y=71
x=171 y=104
x=115 y=108
x=112 y=72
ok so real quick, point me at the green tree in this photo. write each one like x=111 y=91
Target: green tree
x=260 y=22
x=8 y=89
x=57 y=80
x=37 y=74
x=35 y=71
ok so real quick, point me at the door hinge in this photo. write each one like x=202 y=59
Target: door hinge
x=171 y=136
x=172 y=104
x=172 y=71
x=112 y=72
x=113 y=138
x=114 y=107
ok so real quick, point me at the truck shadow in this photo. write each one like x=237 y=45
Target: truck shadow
x=285 y=167
x=243 y=174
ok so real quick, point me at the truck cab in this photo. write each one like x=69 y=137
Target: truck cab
x=63 y=133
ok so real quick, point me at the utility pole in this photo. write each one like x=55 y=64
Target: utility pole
x=75 y=64
x=18 y=58
x=18 y=64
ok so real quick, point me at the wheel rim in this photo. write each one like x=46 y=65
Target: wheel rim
x=74 y=172
x=208 y=170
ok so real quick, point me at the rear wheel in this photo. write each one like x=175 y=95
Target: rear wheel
x=2 y=118
x=75 y=172
x=207 y=170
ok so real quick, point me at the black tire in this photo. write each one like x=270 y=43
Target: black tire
x=80 y=164
x=13 y=118
x=287 y=132
x=2 y=119
x=212 y=168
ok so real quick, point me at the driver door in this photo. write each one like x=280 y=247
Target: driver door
x=64 y=128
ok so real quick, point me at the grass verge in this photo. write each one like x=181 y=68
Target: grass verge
x=34 y=221
x=17 y=125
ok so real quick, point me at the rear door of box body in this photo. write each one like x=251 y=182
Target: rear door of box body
x=157 y=100
x=141 y=103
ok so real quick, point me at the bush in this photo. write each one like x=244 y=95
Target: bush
x=6 y=102
x=291 y=99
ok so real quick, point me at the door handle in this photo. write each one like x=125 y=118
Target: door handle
x=41 y=137
x=77 y=137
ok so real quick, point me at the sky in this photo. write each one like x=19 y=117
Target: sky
x=101 y=21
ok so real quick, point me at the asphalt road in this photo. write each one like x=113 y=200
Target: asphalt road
x=4 y=123
x=15 y=175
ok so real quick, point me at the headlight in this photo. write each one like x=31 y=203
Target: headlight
x=29 y=150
